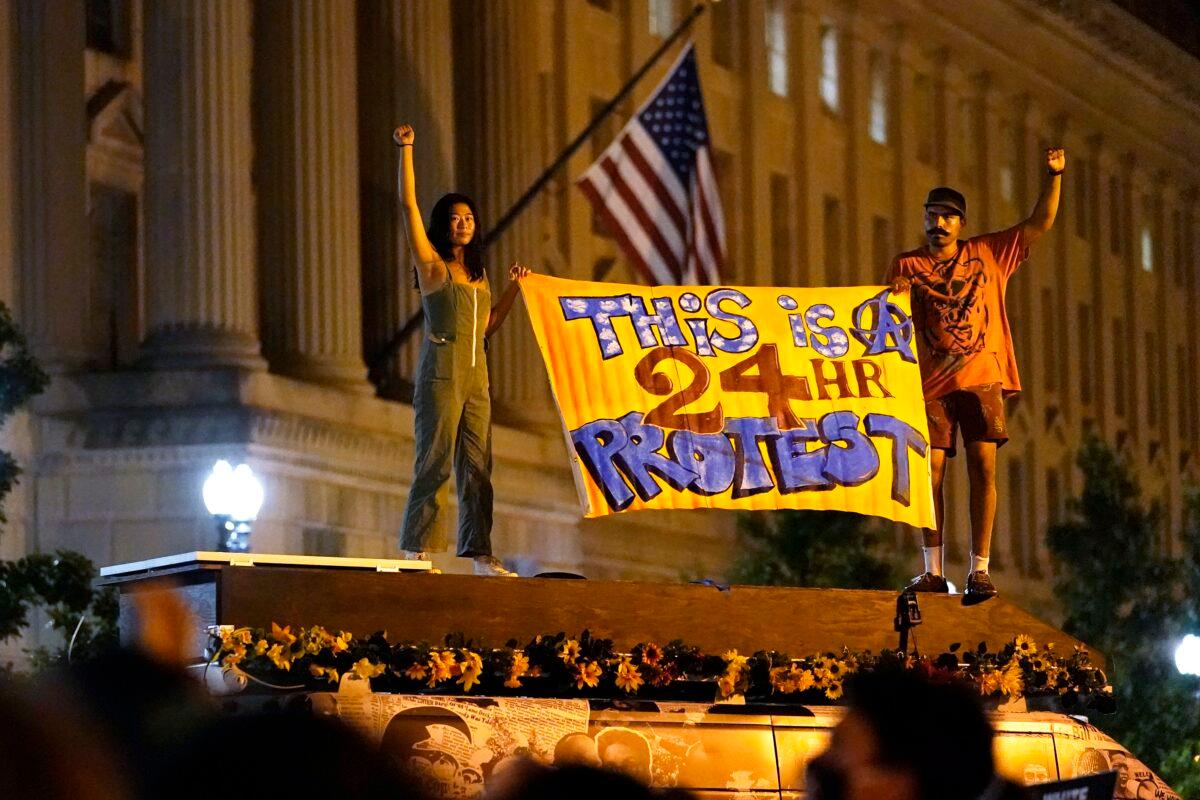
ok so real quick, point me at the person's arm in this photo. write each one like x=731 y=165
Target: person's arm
x=499 y=311
x=899 y=282
x=418 y=241
x=1042 y=218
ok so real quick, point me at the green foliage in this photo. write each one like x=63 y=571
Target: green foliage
x=1123 y=596
x=20 y=379
x=61 y=585
x=814 y=548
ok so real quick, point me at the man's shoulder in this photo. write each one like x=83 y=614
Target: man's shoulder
x=990 y=238
x=916 y=254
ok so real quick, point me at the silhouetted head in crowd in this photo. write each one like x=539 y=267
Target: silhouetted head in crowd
x=536 y=782
x=904 y=738
x=53 y=751
x=293 y=755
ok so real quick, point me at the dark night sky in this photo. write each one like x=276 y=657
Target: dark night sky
x=1178 y=20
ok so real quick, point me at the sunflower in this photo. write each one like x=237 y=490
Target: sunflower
x=1024 y=645
x=651 y=653
x=329 y=673
x=782 y=680
x=519 y=666
x=233 y=655
x=364 y=669
x=416 y=671
x=735 y=661
x=441 y=666
x=834 y=690
x=726 y=685
x=261 y=646
x=280 y=658
x=238 y=636
x=283 y=635
x=628 y=678
x=1011 y=682
x=804 y=679
x=989 y=682
x=569 y=651
x=341 y=642
x=469 y=669
x=587 y=674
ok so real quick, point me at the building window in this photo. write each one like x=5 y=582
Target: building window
x=601 y=139
x=1178 y=262
x=923 y=105
x=726 y=168
x=1016 y=513
x=830 y=77
x=832 y=226
x=108 y=26
x=113 y=220
x=662 y=18
x=777 y=54
x=722 y=34
x=1050 y=365
x=1053 y=497
x=781 y=234
x=1007 y=171
x=1084 y=325
x=1114 y=215
x=881 y=248
x=877 y=116
x=968 y=140
x=1184 y=372
x=1152 y=395
x=323 y=542
x=1118 y=370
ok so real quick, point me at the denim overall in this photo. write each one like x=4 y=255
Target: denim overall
x=453 y=417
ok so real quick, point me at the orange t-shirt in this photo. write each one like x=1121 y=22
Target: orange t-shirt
x=958 y=309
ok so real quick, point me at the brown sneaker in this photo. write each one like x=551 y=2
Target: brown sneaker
x=979 y=588
x=489 y=565
x=928 y=582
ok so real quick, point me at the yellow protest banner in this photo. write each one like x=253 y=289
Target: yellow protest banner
x=678 y=397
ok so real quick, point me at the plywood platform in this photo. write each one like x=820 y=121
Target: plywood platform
x=425 y=607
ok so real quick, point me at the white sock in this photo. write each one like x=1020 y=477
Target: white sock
x=933 y=559
x=979 y=563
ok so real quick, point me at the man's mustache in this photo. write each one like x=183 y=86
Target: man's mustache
x=932 y=231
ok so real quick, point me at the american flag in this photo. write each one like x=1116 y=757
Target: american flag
x=655 y=186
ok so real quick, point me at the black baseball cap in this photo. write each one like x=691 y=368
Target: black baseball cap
x=950 y=198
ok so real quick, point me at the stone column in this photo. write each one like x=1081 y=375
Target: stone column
x=9 y=185
x=201 y=304
x=497 y=160
x=52 y=194
x=403 y=77
x=307 y=177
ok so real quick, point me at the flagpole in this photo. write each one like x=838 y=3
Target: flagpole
x=413 y=322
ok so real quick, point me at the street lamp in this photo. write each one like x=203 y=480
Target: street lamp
x=1187 y=655
x=233 y=497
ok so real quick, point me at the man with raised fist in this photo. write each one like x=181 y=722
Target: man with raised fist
x=966 y=353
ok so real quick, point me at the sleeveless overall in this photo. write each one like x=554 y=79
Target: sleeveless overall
x=453 y=419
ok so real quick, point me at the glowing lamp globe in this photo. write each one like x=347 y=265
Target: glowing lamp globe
x=1187 y=655
x=234 y=497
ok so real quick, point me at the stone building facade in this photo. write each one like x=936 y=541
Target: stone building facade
x=198 y=228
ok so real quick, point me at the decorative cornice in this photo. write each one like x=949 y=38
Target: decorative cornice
x=1124 y=35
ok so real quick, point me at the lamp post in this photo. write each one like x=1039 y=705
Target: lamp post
x=233 y=497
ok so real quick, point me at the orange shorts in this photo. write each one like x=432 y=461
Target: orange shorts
x=977 y=410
